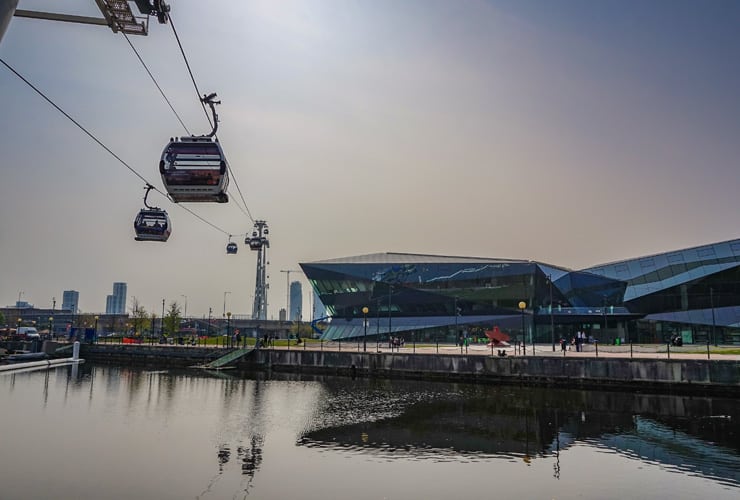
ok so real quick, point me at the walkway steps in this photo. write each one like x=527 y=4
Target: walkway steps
x=227 y=359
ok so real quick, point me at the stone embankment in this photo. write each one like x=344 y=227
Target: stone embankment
x=680 y=373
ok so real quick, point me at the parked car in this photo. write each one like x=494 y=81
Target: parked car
x=28 y=332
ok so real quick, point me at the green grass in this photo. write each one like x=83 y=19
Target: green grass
x=716 y=350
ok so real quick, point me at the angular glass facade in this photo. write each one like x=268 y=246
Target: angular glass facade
x=694 y=293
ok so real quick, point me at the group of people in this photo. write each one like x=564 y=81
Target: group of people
x=577 y=341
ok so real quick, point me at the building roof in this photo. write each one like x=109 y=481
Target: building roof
x=410 y=258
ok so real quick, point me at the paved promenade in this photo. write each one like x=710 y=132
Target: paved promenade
x=644 y=351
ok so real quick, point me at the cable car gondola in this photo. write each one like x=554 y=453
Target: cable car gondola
x=152 y=223
x=231 y=247
x=194 y=168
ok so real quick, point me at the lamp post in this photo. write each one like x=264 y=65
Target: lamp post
x=53 y=306
x=287 y=291
x=711 y=304
x=457 y=334
x=185 y=313
x=225 y=293
x=95 y=335
x=552 y=320
x=228 y=327
x=19 y=325
x=365 y=310
x=209 y=321
x=161 y=322
x=522 y=307
x=377 y=327
x=51 y=327
x=390 y=293
x=604 y=314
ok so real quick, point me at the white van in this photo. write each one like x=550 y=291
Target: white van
x=28 y=332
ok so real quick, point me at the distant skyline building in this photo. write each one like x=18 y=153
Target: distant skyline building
x=70 y=300
x=281 y=314
x=296 y=301
x=116 y=303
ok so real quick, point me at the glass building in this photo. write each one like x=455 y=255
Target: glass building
x=693 y=293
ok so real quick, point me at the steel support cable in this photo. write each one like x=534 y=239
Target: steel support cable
x=106 y=148
x=155 y=82
x=190 y=71
x=197 y=92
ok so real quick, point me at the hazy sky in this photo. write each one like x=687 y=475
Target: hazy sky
x=570 y=132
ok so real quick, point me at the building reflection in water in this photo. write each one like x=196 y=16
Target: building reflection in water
x=685 y=434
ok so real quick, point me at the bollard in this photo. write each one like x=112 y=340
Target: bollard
x=708 y=349
x=597 y=349
x=340 y=345
x=630 y=349
x=76 y=352
x=668 y=350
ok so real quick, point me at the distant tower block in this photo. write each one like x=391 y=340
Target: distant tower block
x=259 y=243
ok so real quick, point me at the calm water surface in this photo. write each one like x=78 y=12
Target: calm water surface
x=120 y=433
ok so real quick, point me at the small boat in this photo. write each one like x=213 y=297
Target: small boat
x=29 y=356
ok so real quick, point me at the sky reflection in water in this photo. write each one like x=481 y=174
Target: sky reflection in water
x=189 y=434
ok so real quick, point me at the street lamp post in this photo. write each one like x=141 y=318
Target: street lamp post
x=209 y=321
x=161 y=322
x=185 y=313
x=51 y=327
x=457 y=334
x=522 y=307
x=552 y=320
x=225 y=293
x=365 y=310
x=390 y=303
x=228 y=327
x=287 y=291
x=377 y=327
x=711 y=304
x=95 y=335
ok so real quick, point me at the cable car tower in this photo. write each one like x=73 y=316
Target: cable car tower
x=259 y=243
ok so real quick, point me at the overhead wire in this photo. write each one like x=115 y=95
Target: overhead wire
x=248 y=213
x=155 y=81
x=245 y=209
x=102 y=145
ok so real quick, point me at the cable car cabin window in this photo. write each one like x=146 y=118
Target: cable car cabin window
x=193 y=164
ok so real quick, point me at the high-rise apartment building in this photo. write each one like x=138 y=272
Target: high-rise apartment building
x=116 y=303
x=70 y=300
x=296 y=301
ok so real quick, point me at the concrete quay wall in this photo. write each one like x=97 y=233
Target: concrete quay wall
x=661 y=374
x=723 y=375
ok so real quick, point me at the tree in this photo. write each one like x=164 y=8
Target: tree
x=172 y=319
x=139 y=317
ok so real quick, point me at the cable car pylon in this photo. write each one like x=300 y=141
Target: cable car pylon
x=259 y=243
